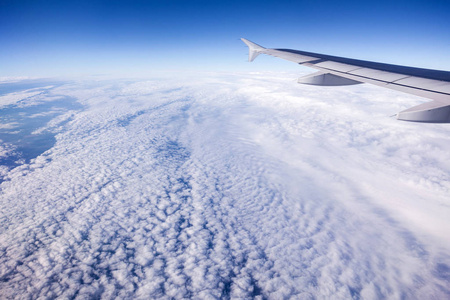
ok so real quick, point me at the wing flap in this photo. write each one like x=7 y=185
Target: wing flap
x=377 y=74
x=426 y=84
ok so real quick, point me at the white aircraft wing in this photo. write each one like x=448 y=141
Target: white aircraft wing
x=335 y=71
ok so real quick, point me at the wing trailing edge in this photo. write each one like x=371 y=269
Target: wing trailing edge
x=336 y=71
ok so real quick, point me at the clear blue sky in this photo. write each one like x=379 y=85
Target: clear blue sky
x=79 y=37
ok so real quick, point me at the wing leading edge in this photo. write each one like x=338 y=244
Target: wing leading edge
x=336 y=71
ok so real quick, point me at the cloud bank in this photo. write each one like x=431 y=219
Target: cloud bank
x=229 y=186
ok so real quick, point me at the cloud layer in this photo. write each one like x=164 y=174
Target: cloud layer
x=229 y=186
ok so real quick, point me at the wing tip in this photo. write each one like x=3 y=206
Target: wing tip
x=253 y=49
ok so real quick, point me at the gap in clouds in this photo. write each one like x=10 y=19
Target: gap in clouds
x=25 y=133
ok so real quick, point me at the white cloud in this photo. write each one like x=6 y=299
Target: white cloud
x=9 y=79
x=233 y=185
x=13 y=98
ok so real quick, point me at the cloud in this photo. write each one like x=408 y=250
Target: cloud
x=13 y=98
x=229 y=186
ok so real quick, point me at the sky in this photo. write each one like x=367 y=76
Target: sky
x=52 y=38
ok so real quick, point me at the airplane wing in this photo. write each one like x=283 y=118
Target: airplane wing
x=336 y=71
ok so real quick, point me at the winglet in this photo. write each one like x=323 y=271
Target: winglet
x=253 y=49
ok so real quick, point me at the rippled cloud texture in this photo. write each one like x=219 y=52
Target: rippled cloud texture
x=226 y=186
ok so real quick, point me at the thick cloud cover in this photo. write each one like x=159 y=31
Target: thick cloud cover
x=227 y=185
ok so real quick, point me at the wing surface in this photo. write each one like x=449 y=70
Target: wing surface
x=334 y=71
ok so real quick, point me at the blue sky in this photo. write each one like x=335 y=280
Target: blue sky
x=47 y=38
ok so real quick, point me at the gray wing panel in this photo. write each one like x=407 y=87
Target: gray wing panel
x=294 y=57
x=419 y=72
